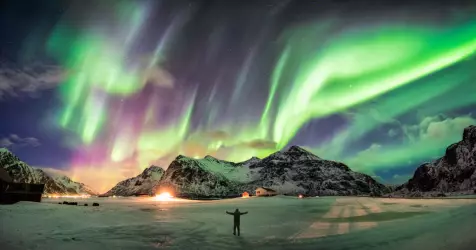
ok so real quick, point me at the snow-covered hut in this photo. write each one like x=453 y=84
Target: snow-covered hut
x=262 y=191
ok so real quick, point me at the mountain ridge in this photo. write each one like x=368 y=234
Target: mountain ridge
x=297 y=170
x=19 y=171
x=290 y=171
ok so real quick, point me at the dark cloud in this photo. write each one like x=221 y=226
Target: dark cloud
x=261 y=144
x=27 y=80
x=14 y=140
x=218 y=135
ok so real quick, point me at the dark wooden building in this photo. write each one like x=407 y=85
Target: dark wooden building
x=5 y=179
x=11 y=192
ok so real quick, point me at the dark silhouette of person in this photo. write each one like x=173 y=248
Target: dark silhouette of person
x=236 y=220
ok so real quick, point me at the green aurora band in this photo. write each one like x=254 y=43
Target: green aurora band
x=359 y=66
x=313 y=78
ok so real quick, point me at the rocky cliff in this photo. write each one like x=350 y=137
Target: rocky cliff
x=454 y=173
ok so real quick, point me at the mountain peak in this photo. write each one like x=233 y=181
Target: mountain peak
x=180 y=157
x=295 y=148
x=250 y=161
x=469 y=134
x=294 y=153
x=153 y=168
x=209 y=157
x=142 y=183
x=298 y=151
x=4 y=150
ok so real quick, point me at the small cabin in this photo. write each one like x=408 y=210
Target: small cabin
x=262 y=191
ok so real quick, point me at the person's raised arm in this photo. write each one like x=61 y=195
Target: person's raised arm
x=244 y=213
x=229 y=212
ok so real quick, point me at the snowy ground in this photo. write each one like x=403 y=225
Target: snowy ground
x=272 y=223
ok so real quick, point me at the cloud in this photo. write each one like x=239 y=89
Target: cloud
x=218 y=135
x=261 y=144
x=159 y=77
x=14 y=140
x=424 y=141
x=28 y=80
x=392 y=132
x=438 y=127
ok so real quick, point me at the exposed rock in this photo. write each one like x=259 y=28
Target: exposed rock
x=454 y=173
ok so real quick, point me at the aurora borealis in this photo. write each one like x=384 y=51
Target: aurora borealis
x=382 y=89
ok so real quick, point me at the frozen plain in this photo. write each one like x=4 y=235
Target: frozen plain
x=272 y=223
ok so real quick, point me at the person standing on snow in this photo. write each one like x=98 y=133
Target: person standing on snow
x=236 y=220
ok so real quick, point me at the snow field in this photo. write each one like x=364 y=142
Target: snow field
x=272 y=223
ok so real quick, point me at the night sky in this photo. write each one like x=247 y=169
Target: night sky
x=102 y=89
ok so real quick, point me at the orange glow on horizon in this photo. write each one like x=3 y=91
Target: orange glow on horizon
x=165 y=196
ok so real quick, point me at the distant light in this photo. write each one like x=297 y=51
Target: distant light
x=300 y=196
x=56 y=196
x=165 y=196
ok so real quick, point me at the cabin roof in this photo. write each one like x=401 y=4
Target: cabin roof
x=268 y=189
x=4 y=176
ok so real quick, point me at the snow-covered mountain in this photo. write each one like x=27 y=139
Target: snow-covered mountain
x=289 y=171
x=202 y=177
x=141 y=184
x=297 y=170
x=70 y=186
x=54 y=184
x=454 y=173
